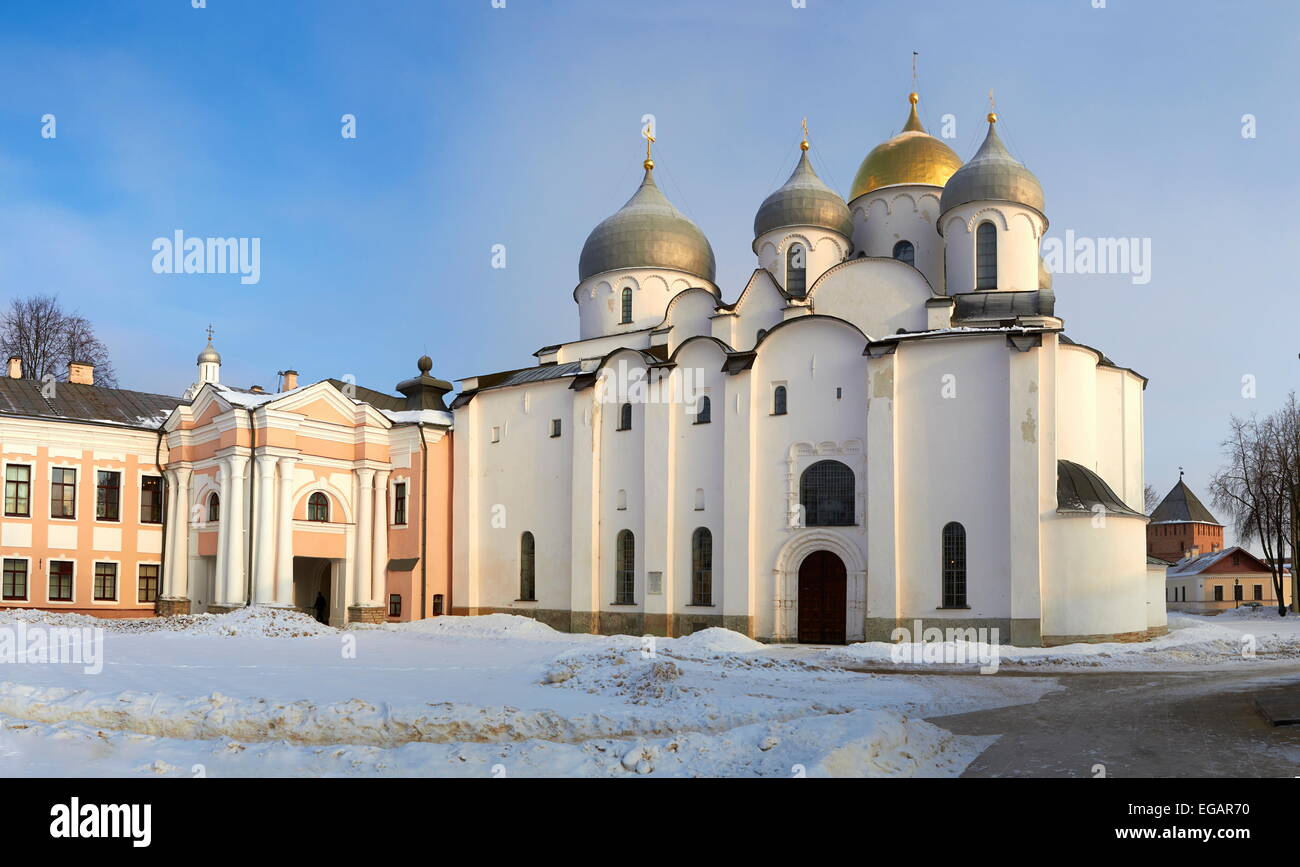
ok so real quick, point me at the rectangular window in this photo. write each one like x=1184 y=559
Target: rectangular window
x=496 y=434
x=1218 y=593
x=147 y=589
x=437 y=604
x=394 y=605
x=105 y=582
x=399 y=503
x=15 y=579
x=108 y=495
x=60 y=581
x=63 y=493
x=1259 y=592
x=555 y=427
x=18 y=491
x=151 y=500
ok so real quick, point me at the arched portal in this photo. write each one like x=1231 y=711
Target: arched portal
x=823 y=599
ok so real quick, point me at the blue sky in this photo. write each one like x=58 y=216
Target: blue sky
x=519 y=126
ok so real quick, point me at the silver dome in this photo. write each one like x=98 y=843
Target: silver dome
x=209 y=355
x=992 y=175
x=804 y=201
x=647 y=232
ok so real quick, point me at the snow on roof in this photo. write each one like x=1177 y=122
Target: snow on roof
x=418 y=416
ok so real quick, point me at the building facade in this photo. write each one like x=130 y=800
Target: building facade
x=1222 y=580
x=887 y=425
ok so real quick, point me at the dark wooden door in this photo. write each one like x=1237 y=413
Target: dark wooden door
x=823 y=599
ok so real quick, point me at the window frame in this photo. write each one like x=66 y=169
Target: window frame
x=212 y=507
x=702 y=567
x=16 y=482
x=780 y=399
x=394 y=601
x=160 y=500
x=4 y=579
x=625 y=568
x=899 y=247
x=400 y=494
x=625 y=306
x=703 y=410
x=72 y=582
x=314 y=500
x=790 y=270
x=557 y=427
x=64 y=486
x=819 y=493
x=157 y=580
x=954 y=561
x=101 y=502
x=527 y=567
x=625 y=416
x=989 y=281
x=95 y=579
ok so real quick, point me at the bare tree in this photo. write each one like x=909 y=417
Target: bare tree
x=1286 y=425
x=1252 y=489
x=1150 y=499
x=47 y=337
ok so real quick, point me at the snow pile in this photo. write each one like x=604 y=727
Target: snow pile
x=257 y=621
x=708 y=643
x=622 y=672
x=481 y=626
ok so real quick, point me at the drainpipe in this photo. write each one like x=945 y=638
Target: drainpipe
x=424 y=523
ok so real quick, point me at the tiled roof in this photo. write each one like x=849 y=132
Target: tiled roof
x=86 y=403
x=1181 y=506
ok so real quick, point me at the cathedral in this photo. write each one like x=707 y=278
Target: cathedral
x=886 y=425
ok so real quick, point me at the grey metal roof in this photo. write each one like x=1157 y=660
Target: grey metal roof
x=804 y=201
x=87 y=403
x=504 y=379
x=647 y=232
x=992 y=175
x=1197 y=565
x=1079 y=489
x=377 y=399
x=1181 y=506
x=1003 y=305
x=404 y=564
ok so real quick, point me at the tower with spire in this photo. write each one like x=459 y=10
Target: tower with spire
x=1181 y=526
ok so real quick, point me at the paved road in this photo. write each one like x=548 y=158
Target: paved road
x=1150 y=724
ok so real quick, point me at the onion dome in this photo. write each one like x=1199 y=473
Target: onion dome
x=804 y=201
x=209 y=355
x=992 y=175
x=911 y=157
x=647 y=232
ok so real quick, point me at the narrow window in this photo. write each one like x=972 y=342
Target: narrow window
x=704 y=411
x=496 y=433
x=702 y=567
x=1259 y=592
x=63 y=493
x=760 y=334
x=699 y=499
x=108 y=495
x=147 y=583
x=437 y=605
x=620 y=500
x=18 y=491
x=954 y=566
x=625 y=568
x=15 y=580
x=399 y=503
x=904 y=251
x=1218 y=593
x=555 y=428
x=394 y=605
x=986 y=257
x=60 y=581
x=778 y=400
x=318 y=507
x=796 y=270
x=827 y=494
x=627 y=306
x=151 y=500
x=214 y=507
x=105 y=582
x=527 y=567
x=625 y=417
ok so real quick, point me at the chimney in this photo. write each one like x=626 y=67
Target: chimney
x=290 y=381
x=256 y=389
x=15 y=367
x=81 y=373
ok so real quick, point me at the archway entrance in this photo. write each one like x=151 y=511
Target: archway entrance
x=823 y=599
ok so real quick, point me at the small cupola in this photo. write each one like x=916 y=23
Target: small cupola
x=425 y=391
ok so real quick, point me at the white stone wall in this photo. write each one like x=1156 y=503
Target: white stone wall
x=903 y=212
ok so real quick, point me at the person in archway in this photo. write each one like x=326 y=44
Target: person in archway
x=320 y=606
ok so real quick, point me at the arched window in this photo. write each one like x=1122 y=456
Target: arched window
x=796 y=270
x=904 y=251
x=704 y=411
x=954 y=566
x=527 y=567
x=627 y=305
x=625 y=417
x=214 y=507
x=702 y=567
x=826 y=493
x=625 y=568
x=986 y=257
x=318 y=507
x=778 y=400
x=760 y=334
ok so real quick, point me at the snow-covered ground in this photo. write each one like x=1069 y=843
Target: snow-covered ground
x=272 y=693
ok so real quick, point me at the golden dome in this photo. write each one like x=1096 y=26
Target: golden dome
x=911 y=157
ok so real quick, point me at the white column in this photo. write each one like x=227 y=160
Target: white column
x=223 y=532
x=379 y=567
x=365 y=533
x=169 y=531
x=284 y=535
x=232 y=520
x=178 y=546
x=264 y=531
